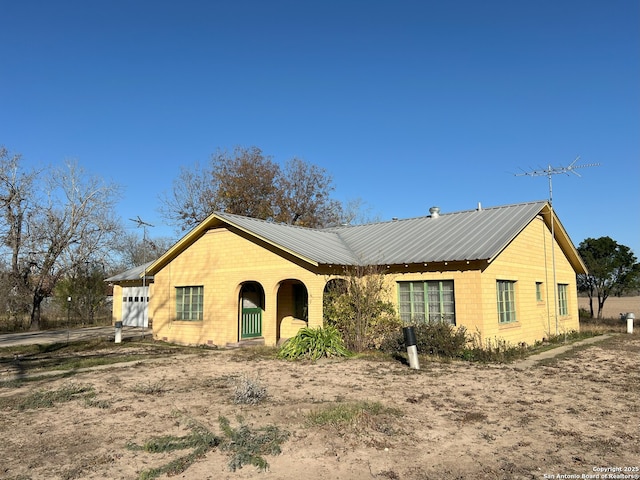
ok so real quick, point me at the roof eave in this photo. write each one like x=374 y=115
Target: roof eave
x=212 y=221
x=272 y=243
x=561 y=237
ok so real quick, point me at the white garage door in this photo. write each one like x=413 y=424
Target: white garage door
x=135 y=301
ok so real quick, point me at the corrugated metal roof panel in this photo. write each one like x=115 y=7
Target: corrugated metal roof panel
x=134 y=273
x=460 y=236
x=322 y=247
x=468 y=235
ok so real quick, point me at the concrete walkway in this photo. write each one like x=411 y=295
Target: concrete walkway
x=46 y=337
x=554 y=352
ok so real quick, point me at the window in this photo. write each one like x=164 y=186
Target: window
x=563 y=304
x=539 y=292
x=431 y=301
x=189 y=303
x=506 y=292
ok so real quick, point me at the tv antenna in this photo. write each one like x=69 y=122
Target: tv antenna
x=140 y=222
x=144 y=225
x=549 y=172
x=145 y=294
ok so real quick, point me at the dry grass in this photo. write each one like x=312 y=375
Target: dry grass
x=352 y=419
x=611 y=321
x=613 y=306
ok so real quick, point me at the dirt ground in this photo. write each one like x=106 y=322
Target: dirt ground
x=571 y=415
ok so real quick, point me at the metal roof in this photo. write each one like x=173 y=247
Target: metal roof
x=460 y=236
x=318 y=246
x=134 y=273
x=469 y=235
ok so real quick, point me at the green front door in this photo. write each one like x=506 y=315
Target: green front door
x=251 y=322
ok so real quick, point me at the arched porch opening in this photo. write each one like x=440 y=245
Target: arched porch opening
x=333 y=289
x=293 y=308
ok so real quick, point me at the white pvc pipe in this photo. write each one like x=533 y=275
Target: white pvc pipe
x=412 y=353
x=118 y=338
x=630 y=318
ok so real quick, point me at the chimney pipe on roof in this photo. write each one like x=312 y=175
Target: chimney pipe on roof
x=435 y=212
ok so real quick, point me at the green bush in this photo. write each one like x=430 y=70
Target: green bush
x=314 y=343
x=358 y=306
x=567 y=336
x=442 y=339
x=496 y=350
x=438 y=338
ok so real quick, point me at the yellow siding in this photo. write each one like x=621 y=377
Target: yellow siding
x=467 y=292
x=116 y=311
x=527 y=260
x=221 y=261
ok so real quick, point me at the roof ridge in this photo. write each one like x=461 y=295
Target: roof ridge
x=441 y=214
x=269 y=222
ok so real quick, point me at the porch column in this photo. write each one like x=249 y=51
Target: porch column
x=315 y=307
x=270 y=316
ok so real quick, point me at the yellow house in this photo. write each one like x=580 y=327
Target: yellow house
x=505 y=272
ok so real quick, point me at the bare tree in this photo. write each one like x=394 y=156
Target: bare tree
x=16 y=192
x=52 y=227
x=247 y=182
x=304 y=196
x=133 y=251
x=356 y=212
x=192 y=199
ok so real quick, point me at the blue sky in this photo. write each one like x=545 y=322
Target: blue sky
x=407 y=104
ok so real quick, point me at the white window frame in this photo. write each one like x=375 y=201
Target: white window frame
x=425 y=301
x=563 y=299
x=190 y=303
x=506 y=297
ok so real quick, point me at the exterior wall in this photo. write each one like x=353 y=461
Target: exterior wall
x=467 y=291
x=527 y=260
x=221 y=261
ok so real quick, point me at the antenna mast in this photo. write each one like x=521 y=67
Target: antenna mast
x=549 y=172
x=144 y=225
